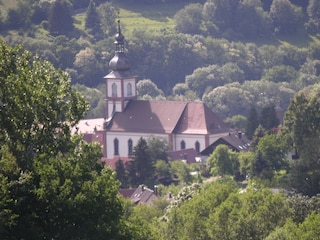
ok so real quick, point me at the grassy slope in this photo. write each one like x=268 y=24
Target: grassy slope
x=158 y=18
x=153 y=18
x=6 y=4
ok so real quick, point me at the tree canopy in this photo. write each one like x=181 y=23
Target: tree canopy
x=52 y=183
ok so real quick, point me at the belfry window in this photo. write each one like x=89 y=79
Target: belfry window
x=114 y=90
x=183 y=144
x=129 y=89
x=116 y=146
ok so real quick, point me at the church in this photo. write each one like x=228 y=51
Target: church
x=184 y=125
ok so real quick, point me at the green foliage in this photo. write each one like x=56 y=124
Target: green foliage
x=146 y=87
x=250 y=215
x=285 y=16
x=60 y=19
x=273 y=149
x=228 y=99
x=141 y=169
x=181 y=170
x=52 y=185
x=302 y=132
x=223 y=161
x=189 y=19
x=309 y=229
x=268 y=117
x=280 y=73
x=237 y=121
x=92 y=21
x=39 y=119
x=252 y=122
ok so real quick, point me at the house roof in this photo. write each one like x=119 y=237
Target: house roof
x=189 y=155
x=166 y=117
x=142 y=194
x=127 y=193
x=237 y=141
x=111 y=162
x=88 y=125
x=139 y=195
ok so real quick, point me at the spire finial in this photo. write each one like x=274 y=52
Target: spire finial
x=119 y=29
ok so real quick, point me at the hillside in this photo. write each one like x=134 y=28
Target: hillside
x=246 y=56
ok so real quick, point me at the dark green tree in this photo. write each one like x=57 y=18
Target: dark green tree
x=285 y=16
x=302 y=131
x=141 y=168
x=92 y=21
x=122 y=175
x=159 y=149
x=268 y=117
x=260 y=167
x=252 y=122
x=273 y=149
x=60 y=18
x=313 y=11
x=189 y=19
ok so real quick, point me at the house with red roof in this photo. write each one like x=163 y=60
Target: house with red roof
x=185 y=125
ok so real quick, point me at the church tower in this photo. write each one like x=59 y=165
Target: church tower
x=120 y=85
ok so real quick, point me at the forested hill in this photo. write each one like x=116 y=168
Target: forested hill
x=231 y=54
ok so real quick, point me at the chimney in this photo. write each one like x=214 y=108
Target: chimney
x=239 y=134
x=156 y=190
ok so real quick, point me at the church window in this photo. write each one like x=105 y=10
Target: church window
x=129 y=89
x=116 y=146
x=114 y=90
x=130 y=147
x=197 y=146
x=183 y=144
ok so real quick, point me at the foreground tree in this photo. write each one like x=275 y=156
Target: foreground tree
x=302 y=131
x=53 y=185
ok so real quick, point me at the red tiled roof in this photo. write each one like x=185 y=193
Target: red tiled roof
x=166 y=117
x=148 y=117
x=189 y=155
x=127 y=193
x=199 y=119
x=112 y=162
x=88 y=125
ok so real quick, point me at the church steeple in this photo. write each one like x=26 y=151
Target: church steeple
x=120 y=84
x=119 y=62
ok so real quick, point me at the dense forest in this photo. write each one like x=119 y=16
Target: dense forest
x=230 y=54
x=244 y=59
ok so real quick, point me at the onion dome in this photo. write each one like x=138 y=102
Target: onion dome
x=119 y=62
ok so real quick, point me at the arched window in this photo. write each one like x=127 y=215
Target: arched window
x=129 y=89
x=183 y=144
x=197 y=146
x=116 y=146
x=114 y=90
x=130 y=147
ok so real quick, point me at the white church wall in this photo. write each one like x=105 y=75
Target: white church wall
x=123 y=138
x=190 y=141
